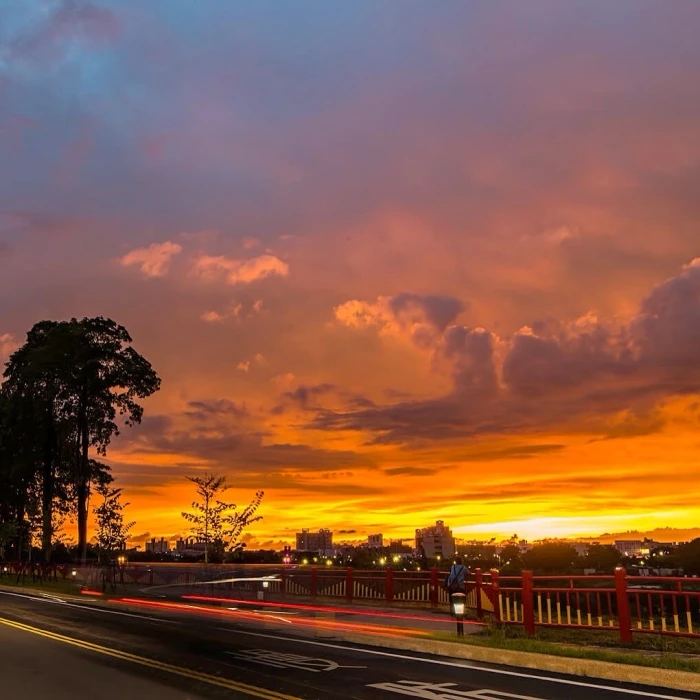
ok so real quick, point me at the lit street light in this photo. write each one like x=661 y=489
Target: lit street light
x=459 y=604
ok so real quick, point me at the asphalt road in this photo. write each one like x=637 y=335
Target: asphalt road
x=62 y=648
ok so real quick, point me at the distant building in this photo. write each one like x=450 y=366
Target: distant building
x=189 y=547
x=161 y=546
x=375 y=541
x=629 y=548
x=435 y=541
x=320 y=542
x=398 y=547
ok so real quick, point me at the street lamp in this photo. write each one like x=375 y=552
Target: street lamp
x=382 y=561
x=459 y=604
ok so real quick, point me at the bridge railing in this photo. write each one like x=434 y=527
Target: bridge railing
x=625 y=604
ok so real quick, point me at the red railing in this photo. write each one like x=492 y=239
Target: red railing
x=624 y=604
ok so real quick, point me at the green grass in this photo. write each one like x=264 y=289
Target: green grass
x=60 y=586
x=663 y=652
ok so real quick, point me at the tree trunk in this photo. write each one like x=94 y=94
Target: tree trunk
x=48 y=487
x=83 y=478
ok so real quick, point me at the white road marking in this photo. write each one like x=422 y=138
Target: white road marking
x=471 y=667
x=284 y=660
x=90 y=608
x=445 y=691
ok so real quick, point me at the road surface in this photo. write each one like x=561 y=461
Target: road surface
x=61 y=648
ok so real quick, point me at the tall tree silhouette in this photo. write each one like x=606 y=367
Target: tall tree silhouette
x=67 y=385
x=36 y=377
x=108 y=378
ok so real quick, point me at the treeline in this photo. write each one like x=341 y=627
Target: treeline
x=562 y=558
x=66 y=393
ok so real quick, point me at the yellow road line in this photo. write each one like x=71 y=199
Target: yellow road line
x=152 y=663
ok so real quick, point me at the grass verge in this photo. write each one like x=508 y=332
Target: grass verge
x=584 y=644
x=66 y=587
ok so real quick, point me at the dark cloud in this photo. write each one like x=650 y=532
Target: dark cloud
x=140 y=538
x=215 y=408
x=347 y=532
x=304 y=393
x=554 y=375
x=411 y=471
x=438 y=311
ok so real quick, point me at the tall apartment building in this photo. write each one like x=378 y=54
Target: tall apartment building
x=435 y=541
x=161 y=546
x=375 y=541
x=320 y=542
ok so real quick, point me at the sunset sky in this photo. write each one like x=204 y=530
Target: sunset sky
x=394 y=260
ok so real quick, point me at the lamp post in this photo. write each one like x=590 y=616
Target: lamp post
x=459 y=605
x=121 y=560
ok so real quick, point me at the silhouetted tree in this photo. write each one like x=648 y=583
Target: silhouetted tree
x=112 y=531
x=687 y=557
x=212 y=521
x=551 y=558
x=109 y=377
x=604 y=558
x=511 y=559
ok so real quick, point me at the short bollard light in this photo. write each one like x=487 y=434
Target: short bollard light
x=266 y=584
x=459 y=605
x=74 y=573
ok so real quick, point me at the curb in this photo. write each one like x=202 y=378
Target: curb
x=590 y=668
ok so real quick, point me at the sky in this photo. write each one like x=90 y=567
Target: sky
x=394 y=261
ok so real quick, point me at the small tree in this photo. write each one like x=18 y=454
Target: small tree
x=112 y=531
x=212 y=522
x=235 y=522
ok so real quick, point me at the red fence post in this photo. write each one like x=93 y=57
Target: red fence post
x=479 y=578
x=314 y=581
x=434 y=586
x=389 y=584
x=349 y=584
x=623 y=606
x=528 y=603
x=496 y=593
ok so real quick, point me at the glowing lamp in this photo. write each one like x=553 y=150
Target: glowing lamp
x=459 y=604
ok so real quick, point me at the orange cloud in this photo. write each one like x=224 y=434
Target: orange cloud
x=8 y=344
x=241 y=271
x=154 y=260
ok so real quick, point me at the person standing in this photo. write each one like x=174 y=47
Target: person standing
x=456 y=579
